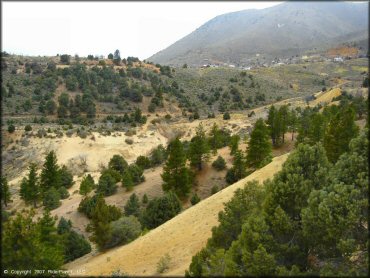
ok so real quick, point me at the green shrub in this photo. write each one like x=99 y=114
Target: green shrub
x=219 y=164
x=194 y=199
x=226 y=116
x=63 y=193
x=143 y=162
x=51 y=199
x=163 y=263
x=87 y=205
x=159 y=210
x=87 y=184
x=66 y=177
x=124 y=230
x=107 y=185
x=11 y=128
x=28 y=128
x=214 y=189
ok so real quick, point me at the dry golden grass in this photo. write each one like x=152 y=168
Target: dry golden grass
x=181 y=237
x=326 y=97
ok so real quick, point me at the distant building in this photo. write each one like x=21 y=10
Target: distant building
x=338 y=59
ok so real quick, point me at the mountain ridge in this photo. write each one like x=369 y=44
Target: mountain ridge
x=287 y=29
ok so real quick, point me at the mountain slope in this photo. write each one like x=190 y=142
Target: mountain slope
x=283 y=30
x=180 y=237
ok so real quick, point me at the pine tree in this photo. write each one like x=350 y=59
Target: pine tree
x=100 y=223
x=284 y=118
x=107 y=185
x=50 y=175
x=30 y=187
x=259 y=146
x=132 y=206
x=87 y=184
x=145 y=199
x=234 y=144
x=238 y=171
x=215 y=139
x=199 y=149
x=24 y=245
x=271 y=121
x=339 y=132
x=292 y=122
x=176 y=176
x=118 y=163
x=5 y=194
x=127 y=180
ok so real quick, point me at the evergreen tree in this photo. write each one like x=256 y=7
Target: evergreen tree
x=101 y=217
x=132 y=206
x=51 y=198
x=283 y=116
x=145 y=199
x=5 y=194
x=271 y=121
x=215 y=139
x=118 y=163
x=199 y=149
x=238 y=171
x=339 y=132
x=30 y=187
x=50 y=175
x=127 y=180
x=160 y=210
x=176 y=176
x=259 y=146
x=24 y=245
x=87 y=184
x=66 y=177
x=234 y=144
x=107 y=185
x=292 y=122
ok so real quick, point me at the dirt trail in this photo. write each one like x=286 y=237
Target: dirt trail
x=180 y=237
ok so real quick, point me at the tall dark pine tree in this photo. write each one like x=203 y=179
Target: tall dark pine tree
x=214 y=138
x=259 y=146
x=284 y=118
x=30 y=187
x=132 y=206
x=5 y=194
x=176 y=176
x=339 y=132
x=50 y=175
x=100 y=223
x=199 y=149
x=271 y=121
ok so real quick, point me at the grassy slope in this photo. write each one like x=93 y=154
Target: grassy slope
x=180 y=237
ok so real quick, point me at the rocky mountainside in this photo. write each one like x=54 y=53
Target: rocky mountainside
x=284 y=30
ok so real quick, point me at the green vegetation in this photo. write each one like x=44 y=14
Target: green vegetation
x=310 y=219
x=30 y=187
x=159 y=210
x=176 y=176
x=219 y=164
x=259 y=146
x=87 y=184
x=5 y=194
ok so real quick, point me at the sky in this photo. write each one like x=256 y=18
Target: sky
x=138 y=29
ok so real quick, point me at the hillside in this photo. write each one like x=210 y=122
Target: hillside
x=284 y=30
x=140 y=257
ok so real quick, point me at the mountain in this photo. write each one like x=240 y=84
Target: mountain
x=285 y=30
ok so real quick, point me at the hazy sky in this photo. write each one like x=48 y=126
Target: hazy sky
x=137 y=29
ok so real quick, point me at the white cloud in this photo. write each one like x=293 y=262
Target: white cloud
x=135 y=28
